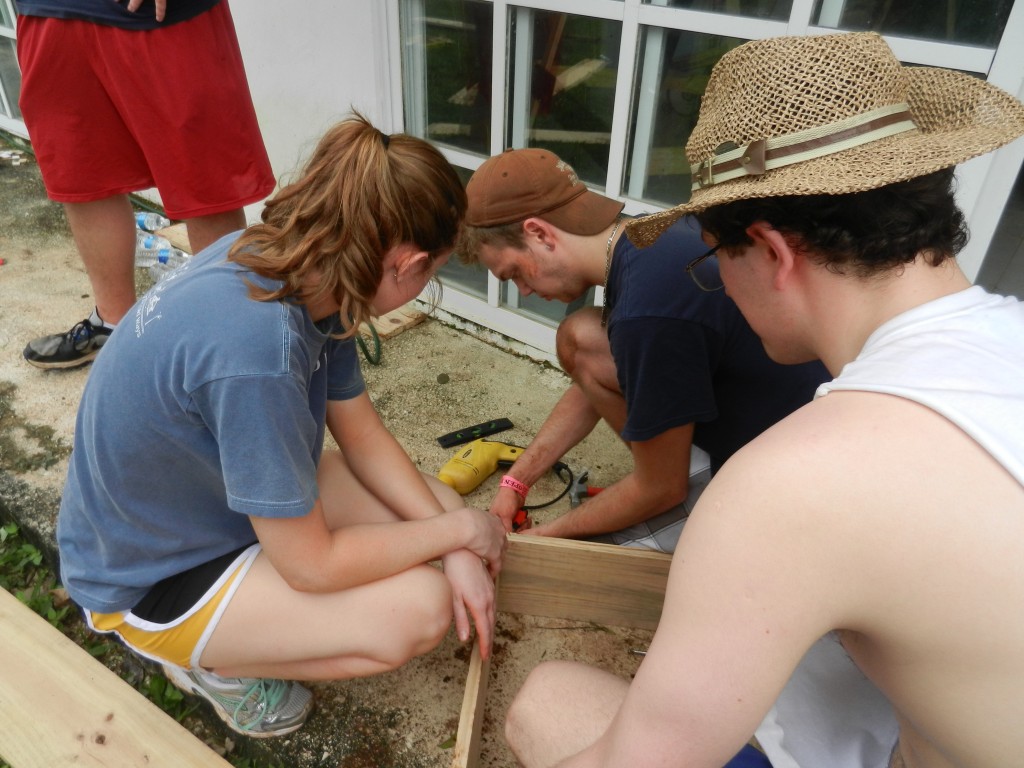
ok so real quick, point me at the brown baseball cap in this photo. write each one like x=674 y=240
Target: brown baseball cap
x=520 y=183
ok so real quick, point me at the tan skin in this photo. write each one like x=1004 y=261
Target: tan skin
x=559 y=265
x=917 y=568
x=351 y=572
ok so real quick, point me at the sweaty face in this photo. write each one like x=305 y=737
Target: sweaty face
x=543 y=275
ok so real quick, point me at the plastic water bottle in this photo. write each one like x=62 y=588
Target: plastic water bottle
x=151 y=222
x=167 y=260
x=148 y=248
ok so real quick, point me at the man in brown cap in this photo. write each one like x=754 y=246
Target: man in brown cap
x=668 y=363
x=888 y=514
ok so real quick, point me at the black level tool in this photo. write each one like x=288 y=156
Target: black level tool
x=468 y=434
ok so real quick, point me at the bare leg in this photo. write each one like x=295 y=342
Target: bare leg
x=562 y=708
x=586 y=355
x=104 y=232
x=270 y=630
x=204 y=230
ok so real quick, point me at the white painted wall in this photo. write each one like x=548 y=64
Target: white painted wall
x=308 y=65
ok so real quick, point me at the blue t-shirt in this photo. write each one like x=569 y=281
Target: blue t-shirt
x=115 y=13
x=685 y=356
x=204 y=407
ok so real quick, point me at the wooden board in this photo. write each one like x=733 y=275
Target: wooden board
x=61 y=707
x=471 y=720
x=177 y=235
x=577 y=580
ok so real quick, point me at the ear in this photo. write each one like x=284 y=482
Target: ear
x=539 y=231
x=779 y=256
x=409 y=261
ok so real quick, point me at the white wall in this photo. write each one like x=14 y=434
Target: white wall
x=308 y=65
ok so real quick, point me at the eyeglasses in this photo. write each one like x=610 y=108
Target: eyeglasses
x=704 y=271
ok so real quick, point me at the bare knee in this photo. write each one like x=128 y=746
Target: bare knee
x=576 y=334
x=562 y=708
x=529 y=709
x=426 y=615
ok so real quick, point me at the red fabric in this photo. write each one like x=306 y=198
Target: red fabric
x=112 y=111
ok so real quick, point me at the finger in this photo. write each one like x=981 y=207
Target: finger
x=161 y=7
x=461 y=619
x=484 y=622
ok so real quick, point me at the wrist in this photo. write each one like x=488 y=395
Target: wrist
x=521 y=488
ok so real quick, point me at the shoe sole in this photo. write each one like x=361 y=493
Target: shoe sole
x=64 y=364
x=184 y=683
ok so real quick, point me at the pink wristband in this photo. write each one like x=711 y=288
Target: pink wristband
x=507 y=481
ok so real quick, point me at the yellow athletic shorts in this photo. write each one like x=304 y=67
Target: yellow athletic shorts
x=180 y=641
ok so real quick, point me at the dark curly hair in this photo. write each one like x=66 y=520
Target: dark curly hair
x=863 y=233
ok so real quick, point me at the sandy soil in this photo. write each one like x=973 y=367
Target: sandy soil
x=432 y=379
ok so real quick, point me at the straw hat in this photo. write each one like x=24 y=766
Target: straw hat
x=831 y=115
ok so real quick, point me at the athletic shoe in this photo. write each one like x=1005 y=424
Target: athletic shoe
x=254 y=707
x=69 y=349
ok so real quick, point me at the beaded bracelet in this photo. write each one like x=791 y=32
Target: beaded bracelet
x=507 y=481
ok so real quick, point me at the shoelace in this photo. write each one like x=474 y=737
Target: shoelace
x=265 y=696
x=83 y=328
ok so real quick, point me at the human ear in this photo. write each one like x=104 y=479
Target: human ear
x=539 y=231
x=772 y=246
x=410 y=261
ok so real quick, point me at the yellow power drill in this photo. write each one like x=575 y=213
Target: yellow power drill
x=475 y=463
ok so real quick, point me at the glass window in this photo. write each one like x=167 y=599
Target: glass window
x=448 y=61
x=761 y=9
x=6 y=15
x=674 y=67
x=1003 y=269
x=10 y=78
x=969 y=22
x=562 y=81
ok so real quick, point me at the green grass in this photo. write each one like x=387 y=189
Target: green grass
x=24 y=573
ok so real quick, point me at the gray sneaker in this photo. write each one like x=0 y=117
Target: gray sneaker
x=251 y=706
x=69 y=349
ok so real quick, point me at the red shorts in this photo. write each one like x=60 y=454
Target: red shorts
x=111 y=111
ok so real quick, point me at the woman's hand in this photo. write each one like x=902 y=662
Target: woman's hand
x=472 y=595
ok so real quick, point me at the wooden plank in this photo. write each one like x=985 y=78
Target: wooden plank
x=471 y=720
x=177 y=235
x=61 y=707
x=395 y=321
x=582 y=581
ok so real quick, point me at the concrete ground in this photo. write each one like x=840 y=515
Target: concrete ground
x=432 y=379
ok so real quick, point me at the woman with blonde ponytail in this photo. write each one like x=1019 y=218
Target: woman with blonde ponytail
x=203 y=523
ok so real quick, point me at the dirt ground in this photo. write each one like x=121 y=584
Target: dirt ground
x=432 y=379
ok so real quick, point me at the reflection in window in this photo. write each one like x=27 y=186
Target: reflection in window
x=448 y=71
x=674 y=69
x=760 y=9
x=10 y=78
x=968 y=22
x=563 y=73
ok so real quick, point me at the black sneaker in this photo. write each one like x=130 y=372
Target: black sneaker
x=69 y=349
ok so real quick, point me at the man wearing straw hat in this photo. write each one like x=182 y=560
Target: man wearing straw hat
x=888 y=514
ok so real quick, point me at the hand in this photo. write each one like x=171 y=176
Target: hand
x=472 y=589
x=505 y=505
x=161 y=7
x=487 y=540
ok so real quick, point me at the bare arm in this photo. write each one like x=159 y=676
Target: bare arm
x=659 y=481
x=384 y=468
x=756 y=579
x=571 y=420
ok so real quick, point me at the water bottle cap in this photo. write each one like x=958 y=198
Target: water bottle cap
x=163 y=255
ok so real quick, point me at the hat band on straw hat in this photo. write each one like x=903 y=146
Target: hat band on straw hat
x=766 y=154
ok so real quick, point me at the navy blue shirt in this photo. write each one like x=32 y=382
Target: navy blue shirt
x=115 y=13
x=684 y=355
